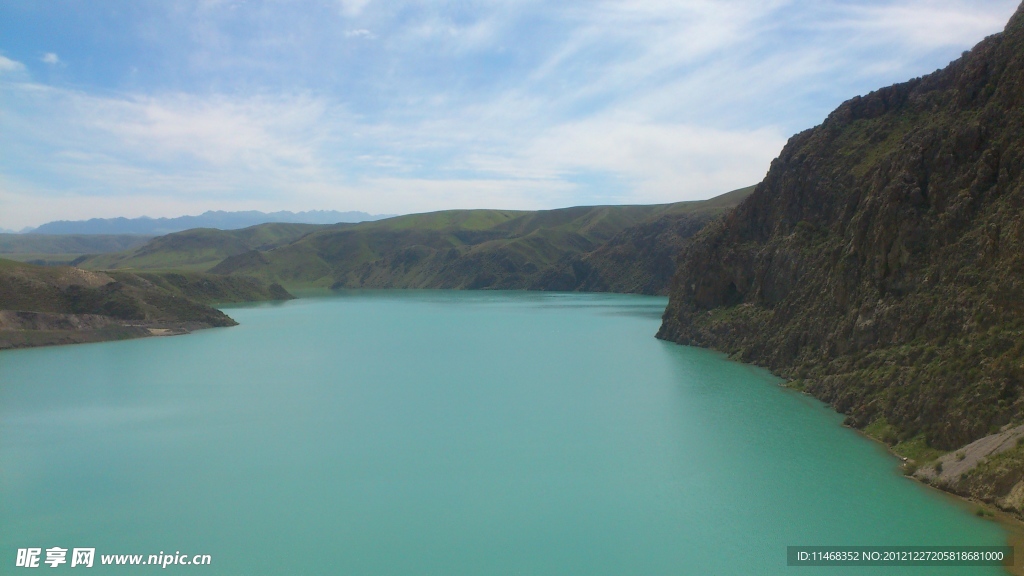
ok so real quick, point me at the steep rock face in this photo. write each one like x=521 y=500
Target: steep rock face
x=880 y=264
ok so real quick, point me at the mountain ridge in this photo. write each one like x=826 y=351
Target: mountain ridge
x=218 y=219
x=597 y=248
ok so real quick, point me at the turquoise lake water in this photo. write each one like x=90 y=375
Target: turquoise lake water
x=442 y=433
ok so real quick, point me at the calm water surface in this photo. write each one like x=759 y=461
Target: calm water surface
x=441 y=433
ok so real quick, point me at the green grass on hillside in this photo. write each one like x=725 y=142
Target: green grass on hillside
x=42 y=244
x=447 y=249
x=199 y=249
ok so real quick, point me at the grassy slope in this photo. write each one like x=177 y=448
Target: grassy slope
x=475 y=249
x=448 y=249
x=199 y=249
x=69 y=244
x=47 y=258
x=62 y=250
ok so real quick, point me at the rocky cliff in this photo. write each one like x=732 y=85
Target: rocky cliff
x=880 y=264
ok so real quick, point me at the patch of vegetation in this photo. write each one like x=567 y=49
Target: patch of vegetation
x=917 y=449
x=882 y=431
x=798 y=384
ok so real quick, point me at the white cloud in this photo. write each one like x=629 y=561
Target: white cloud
x=512 y=104
x=189 y=149
x=927 y=25
x=218 y=131
x=656 y=162
x=352 y=8
x=50 y=58
x=8 y=65
x=173 y=154
x=35 y=206
x=360 y=33
x=429 y=194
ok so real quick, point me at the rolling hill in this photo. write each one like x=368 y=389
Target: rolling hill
x=199 y=249
x=46 y=249
x=603 y=248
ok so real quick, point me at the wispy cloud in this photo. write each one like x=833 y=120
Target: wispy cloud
x=8 y=65
x=50 y=58
x=650 y=162
x=352 y=7
x=923 y=25
x=512 y=104
x=360 y=33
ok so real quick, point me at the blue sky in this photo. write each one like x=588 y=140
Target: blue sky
x=160 y=108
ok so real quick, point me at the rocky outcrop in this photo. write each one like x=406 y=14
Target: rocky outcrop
x=955 y=466
x=880 y=264
x=46 y=305
x=20 y=329
x=990 y=470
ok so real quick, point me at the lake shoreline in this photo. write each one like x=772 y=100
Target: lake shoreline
x=1012 y=524
x=20 y=330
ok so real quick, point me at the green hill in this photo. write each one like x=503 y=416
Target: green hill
x=198 y=249
x=69 y=244
x=64 y=305
x=485 y=249
x=607 y=248
x=51 y=249
x=880 y=266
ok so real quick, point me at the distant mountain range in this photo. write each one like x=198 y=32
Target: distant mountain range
x=211 y=219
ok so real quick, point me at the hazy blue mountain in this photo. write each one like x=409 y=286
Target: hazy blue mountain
x=211 y=219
